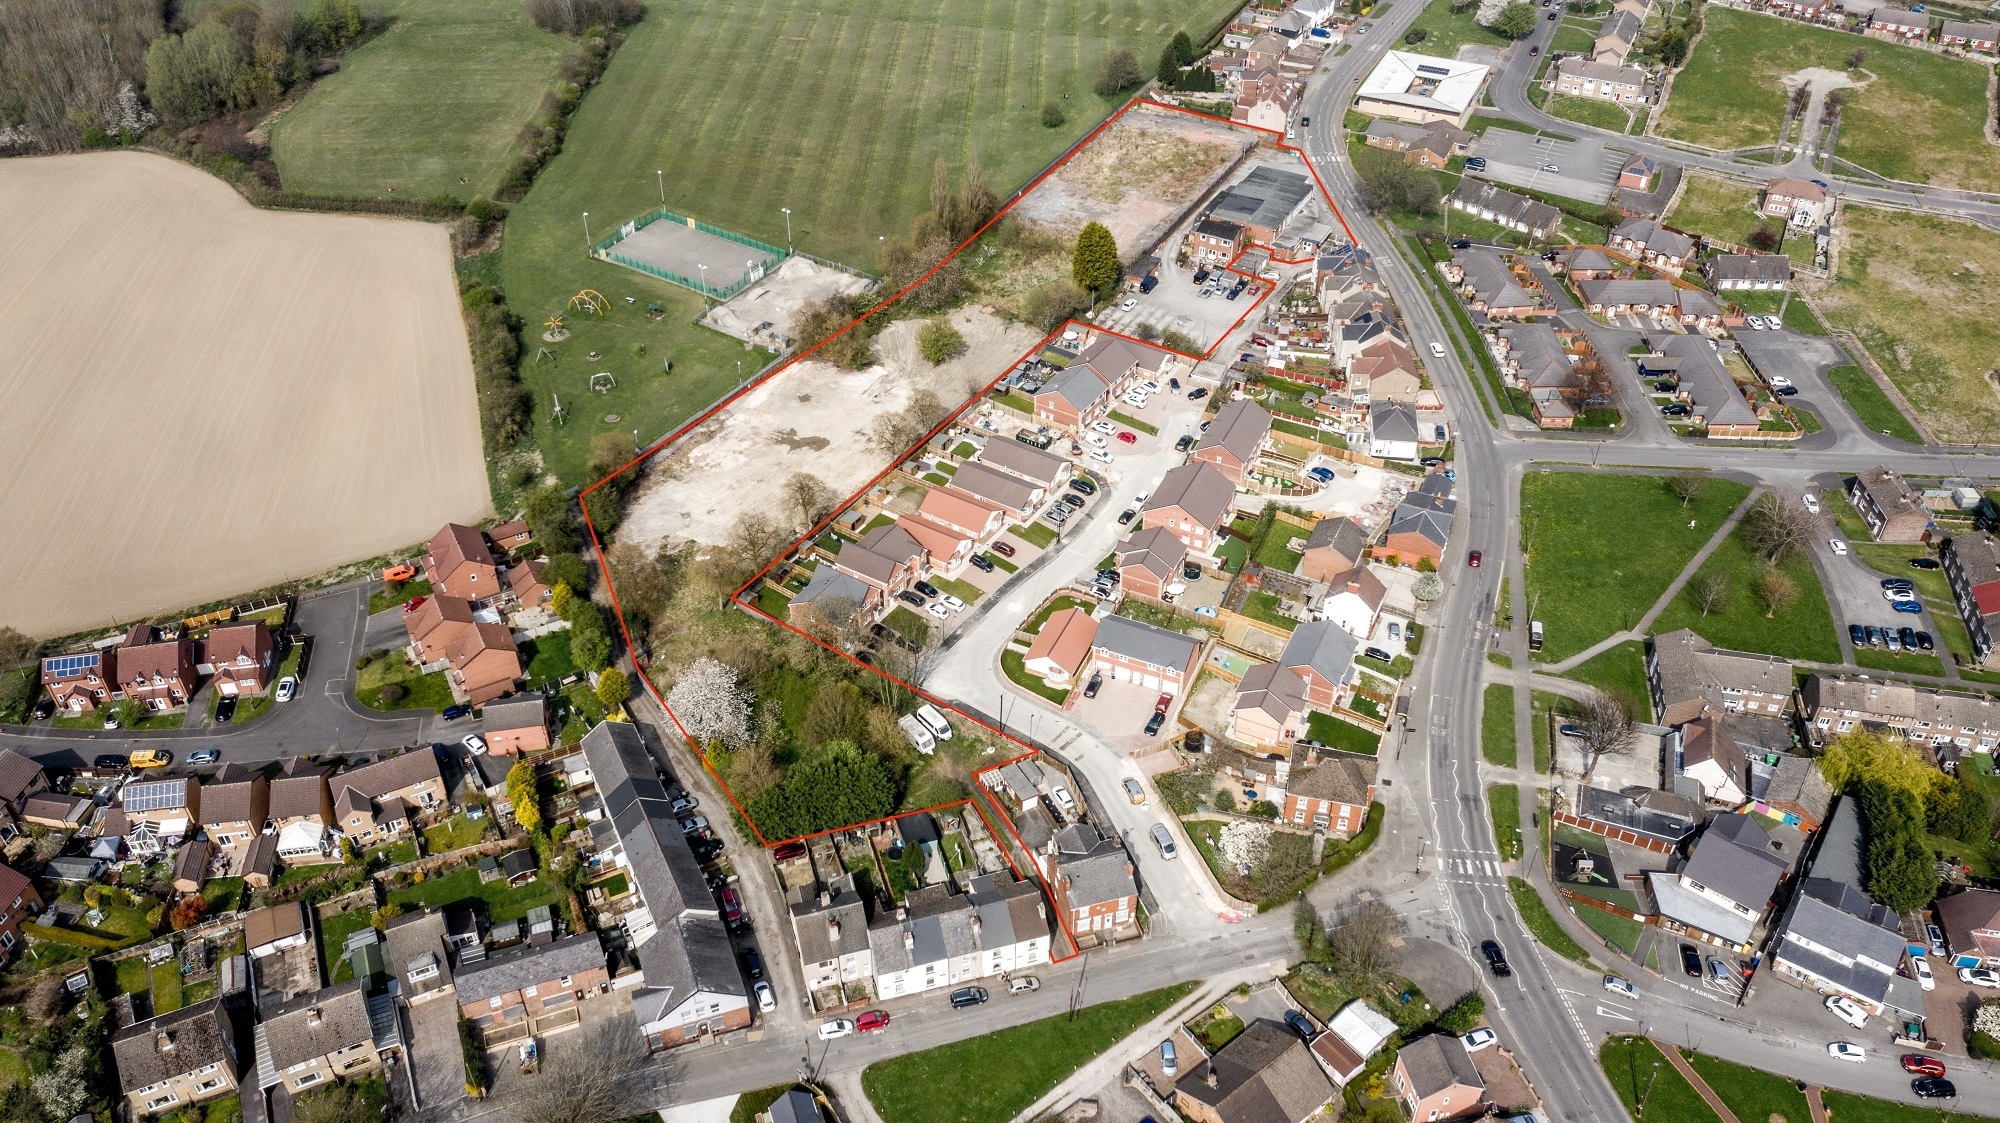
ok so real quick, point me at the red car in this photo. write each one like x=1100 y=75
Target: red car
x=871 y=1021
x=1922 y=1065
x=1472 y=559
x=1160 y=706
x=732 y=905
x=787 y=851
x=1003 y=549
x=1127 y=438
x=413 y=604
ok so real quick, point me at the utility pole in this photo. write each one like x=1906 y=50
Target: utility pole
x=587 y=243
x=788 y=228
x=662 y=174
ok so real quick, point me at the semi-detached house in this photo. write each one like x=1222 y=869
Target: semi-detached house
x=1893 y=510
x=185 y=1057
x=459 y=564
x=1149 y=561
x=1191 y=502
x=80 y=682
x=532 y=989
x=1036 y=466
x=1728 y=882
x=1083 y=391
x=159 y=674
x=992 y=487
x=962 y=514
x=1234 y=439
x=1154 y=658
x=318 y=1037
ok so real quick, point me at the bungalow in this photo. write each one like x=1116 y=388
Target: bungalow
x=320 y=1036
x=1893 y=510
x=962 y=514
x=1586 y=263
x=834 y=597
x=1970 y=36
x=1436 y=1079
x=533 y=990
x=459 y=564
x=1793 y=199
x=995 y=488
x=1191 y=501
x=1427 y=146
x=1037 y=466
x=1718 y=405
x=1149 y=561
x=1754 y=271
x=1972 y=567
x=1489 y=285
x=1604 y=81
x=1901 y=23
x=1531 y=357
x=1096 y=881
x=157 y=673
x=188 y=1056
x=1264 y=1075
x=518 y=725
x=1334 y=547
x=1083 y=391
x=1653 y=244
x=78 y=683
x=1152 y=657
x=240 y=656
x=1062 y=647
x=1234 y=438
x=1497 y=204
x=1696 y=309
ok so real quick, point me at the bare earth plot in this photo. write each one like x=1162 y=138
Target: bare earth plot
x=1920 y=294
x=203 y=398
x=1137 y=176
x=810 y=417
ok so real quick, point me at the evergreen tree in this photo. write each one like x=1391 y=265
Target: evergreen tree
x=1183 y=48
x=1169 y=70
x=1095 y=264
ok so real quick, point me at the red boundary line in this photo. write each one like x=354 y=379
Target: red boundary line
x=978 y=775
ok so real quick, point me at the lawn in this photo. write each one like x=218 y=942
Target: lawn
x=384 y=599
x=1588 y=110
x=1264 y=607
x=430 y=105
x=1496 y=726
x=547 y=658
x=453 y=834
x=996 y=1076
x=1640 y=1074
x=1542 y=702
x=1907 y=662
x=1802 y=631
x=1036 y=534
x=166 y=987
x=1893 y=262
x=1721 y=209
x=1850 y=1108
x=1620 y=670
x=1015 y=664
x=1535 y=914
x=1445 y=31
x=1503 y=801
x=17 y=690
x=1870 y=404
x=1605 y=547
x=421 y=691
x=501 y=902
x=333 y=933
x=1750 y=1093
x=1330 y=730
x=1617 y=931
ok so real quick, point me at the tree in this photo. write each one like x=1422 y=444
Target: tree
x=65 y=1088
x=1053 y=116
x=524 y=792
x=927 y=268
x=1462 y=1017
x=1861 y=755
x=15 y=648
x=1606 y=728
x=836 y=713
x=709 y=704
x=938 y=341
x=1309 y=930
x=1415 y=35
x=1900 y=870
x=592 y=1075
x=1673 y=46
x=819 y=324
x=190 y=77
x=1764 y=238
x=1959 y=810
x=1777 y=592
x=1169 y=69
x=809 y=497
x=560 y=598
x=834 y=787
x=381 y=917
x=613 y=687
x=1710 y=591
x=1183 y=48
x=1048 y=305
x=1688 y=486
x=187 y=912
x=1094 y=265
x=1119 y=72
x=1777 y=528
x=1429 y=587
x=1180 y=341
x=1359 y=945
x=589 y=643
x=1388 y=183
x=1855 y=60
x=1516 y=21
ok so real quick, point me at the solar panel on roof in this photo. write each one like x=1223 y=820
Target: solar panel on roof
x=1437 y=70
x=71 y=664
x=156 y=795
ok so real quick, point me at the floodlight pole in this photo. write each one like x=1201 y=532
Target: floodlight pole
x=586 y=232
x=662 y=174
x=788 y=228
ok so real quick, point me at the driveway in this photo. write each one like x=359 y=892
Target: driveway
x=436 y=1063
x=1805 y=360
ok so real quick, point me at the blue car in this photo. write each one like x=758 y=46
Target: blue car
x=1907 y=606
x=1320 y=475
x=453 y=713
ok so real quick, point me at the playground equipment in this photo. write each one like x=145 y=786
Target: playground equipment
x=591 y=301
x=554 y=331
x=603 y=382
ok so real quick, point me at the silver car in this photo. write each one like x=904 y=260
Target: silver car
x=1618 y=984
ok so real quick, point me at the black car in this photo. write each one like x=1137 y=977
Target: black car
x=1083 y=485
x=1466 y=243
x=1874 y=636
x=225 y=710
x=1073 y=499
x=1200 y=275
x=908 y=597
x=1674 y=410
x=453 y=713
x=1301 y=1025
x=1235 y=292
x=926 y=588
x=1378 y=653
x=1126 y=516
x=1857 y=635
x=1432 y=461
x=1925 y=642
x=1923 y=563
x=106 y=761
x=1909 y=638
x=740 y=926
x=753 y=963
x=45 y=709
x=1305 y=122
x=1495 y=958
x=1690 y=961
x=1198 y=393
x=981 y=563
x=1787 y=391
x=1899 y=583
x=1472 y=164
x=1186 y=442
x=967 y=996
x=1153 y=723
x=1110 y=575
x=1934 y=1088
x=1663 y=387
x=1090 y=688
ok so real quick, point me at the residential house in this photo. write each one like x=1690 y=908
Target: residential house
x=1622 y=296
x=1355 y=1034
x=1422 y=88
x=1331 y=794
x=1361 y=332
x=1758 y=272
x=1638 y=173
x=1263 y=202
x=1354 y=601
x=1931 y=719
x=233 y=812
x=1719 y=406
x=1127 y=650
x=962 y=514
x=1696 y=309
x=1795 y=794
x=1984 y=37
x=532 y=990
x=1710 y=757
x=318 y=1037
x=1393 y=432
x=158 y=811
x=885 y=562
x=1497 y=204
x=185 y=1057
x=1427 y=146
x=1010 y=493
x=1384 y=371
x=240 y=656
x=1604 y=81
x=21 y=776
x=1039 y=467
x=691 y=988
x=830 y=926
x=1835 y=940
x=301 y=810
x=1214 y=241
x=945 y=551
x=1265 y=100
x=527 y=585
x=518 y=725
x=1435 y=1078
x=1586 y=263
x=435 y=627
x=1234 y=438
x=418 y=956
x=1010 y=920
x=834 y=596
x=1971 y=922
x=459 y=564
x=1728 y=882
x=1083 y=391
x=1062 y=647
x=928 y=944
x=1150 y=561
x=1900 y=23
x=1893 y=510
x=510 y=536
x=1615 y=37
x=1311 y=673
x=1191 y=501
x=276 y=928
x=1097 y=883
x=1972 y=566
x=1264 y=1075
x=1648 y=818
x=1419 y=528
x=1334 y=547
x=1531 y=358
x=1653 y=244
x=375 y=802
x=1799 y=202
x=18 y=902
x=1686 y=674
x=156 y=673
x=79 y=683
x=485 y=664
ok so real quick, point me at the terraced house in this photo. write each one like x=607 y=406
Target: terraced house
x=318 y=1037
x=532 y=990
x=1935 y=720
x=1972 y=565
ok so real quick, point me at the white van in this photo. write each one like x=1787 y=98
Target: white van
x=934 y=722
x=1165 y=842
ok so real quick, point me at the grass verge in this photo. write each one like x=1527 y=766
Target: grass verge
x=1496 y=726
x=1503 y=801
x=1535 y=914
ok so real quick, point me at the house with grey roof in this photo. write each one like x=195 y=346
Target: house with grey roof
x=1835 y=940
x=835 y=596
x=1727 y=884
x=1335 y=546
x=1127 y=650
x=1150 y=560
x=1234 y=438
x=1489 y=285
x=178 y=1059
x=316 y=1038
x=1419 y=530
x=419 y=959
x=533 y=988
x=1615 y=37
x=1436 y=1079
x=1893 y=510
x=795 y=1106
x=1017 y=496
x=1083 y=391
x=1191 y=501
x=691 y=987
x=1097 y=882
x=1036 y=466
x=1751 y=272
x=927 y=944
x=1531 y=357
x=831 y=929
x=1653 y=244
x=1264 y=1075
x=1649 y=818
x=1010 y=919
x=1718 y=403
x=1311 y=673
x=1497 y=204
x=1393 y=433
x=1621 y=296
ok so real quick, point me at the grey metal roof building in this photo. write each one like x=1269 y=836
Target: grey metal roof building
x=1263 y=200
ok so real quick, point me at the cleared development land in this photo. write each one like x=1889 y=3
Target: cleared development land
x=204 y=398
x=432 y=104
x=1913 y=115
x=1942 y=354
x=1721 y=209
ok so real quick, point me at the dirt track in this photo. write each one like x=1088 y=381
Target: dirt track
x=202 y=398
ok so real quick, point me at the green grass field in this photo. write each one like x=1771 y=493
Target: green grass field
x=1620 y=670
x=1606 y=547
x=435 y=99
x=1446 y=31
x=1870 y=404
x=1720 y=209
x=1540 y=921
x=1503 y=803
x=1589 y=111
x=1639 y=1073
x=1496 y=726
x=1938 y=362
x=1802 y=631
x=1918 y=116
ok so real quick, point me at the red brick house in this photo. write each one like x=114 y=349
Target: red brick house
x=459 y=564
x=518 y=725
x=1334 y=547
x=535 y=990
x=1436 y=1079
x=1331 y=794
x=1234 y=438
x=887 y=559
x=240 y=656
x=484 y=663
x=510 y=536
x=157 y=673
x=1084 y=390
x=1970 y=36
x=1095 y=878
x=1191 y=502
x=18 y=902
x=962 y=514
x=1149 y=561
x=947 y=550
x=78 y=683
x=530 y=588
x=1214 y=241
x=435 y=626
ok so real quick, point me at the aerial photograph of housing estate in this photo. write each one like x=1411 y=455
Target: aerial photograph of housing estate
x=1184 y=561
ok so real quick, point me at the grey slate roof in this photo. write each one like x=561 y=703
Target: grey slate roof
x=831 y=926
x=1736 y=858
x=416 y=941
x=1839 y=857
x=1437 y=1061
x=1273 y=690
x=687 y=955
x=1858 y=953
x=1023 y=460
x=1092 y=869
x=530 y=965
x=1619 y=292
x=1432 y=524
x=393 y=774
x=1323 y=646
x=1537 y=354
x=1344 y=536
x=795 y=1106
x=313 y=1025
x=1008 y=911
x=17 y=774
x=1800 y=781
x=1264 y=1075
x=991 y=484
x=1655 y=237
x=1509 y=207
x=829 y=583
x=1239 y=428
x=1197 y=488
x=524 y=711
x=1685 y=905
x=1707 y=383
x=1393 y=421
x=1491 y=281
x=936 y=925
x=195 y=1036
x=1749 y=267
x=1156 y=549
x=1145 y=642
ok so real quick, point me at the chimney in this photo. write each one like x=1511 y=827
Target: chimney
x=165 y=1041
x=825 y=898
x=1211 y=1074
x=833 y=929
x=909 y=941
x=978 y=926
x=312 y=1016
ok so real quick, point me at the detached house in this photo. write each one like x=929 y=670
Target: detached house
x=1436 y=1079
x=1392 y=431
x=1799 y=202
x=1972 y=566
x=459 y=564
x=1615 y=37
x=79 y=683
x=1149 y=561
x=240 y=656
x=1062 y=648
x=532 y=990
x=1334 y=547
x=157 y=673
x=18 y=902
x=1893 y=510
x=189 y=1056
x=1728 y=882
x=1311 y=673
x=1234 y=439
x=320 y=1036
x=1096 y=881
x=1265 y=100
x=375 y=802
x=484 y=664
x=1191 y=502
x=1353 y=600
x=1264 y=1075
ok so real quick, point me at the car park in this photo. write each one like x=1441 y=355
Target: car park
x=1846 y=1051
x=1478 y=1039
x=1690 y=961
x=474 y=744
x=967 y=996
x=1934 y=1088
x=838 y=1027
x=289 y=686
x=1845 y=1009
x=1921 y=1064
x=871 y=1021
x=1496 y=960
x=1618 y=984
x=201 y=757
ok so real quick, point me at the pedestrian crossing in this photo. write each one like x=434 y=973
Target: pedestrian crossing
x=1472 y=867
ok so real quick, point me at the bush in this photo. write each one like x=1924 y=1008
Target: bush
x=1094 y=265
x=393 y=693
x=1984 y=1046
x=1263 y=809
x=1047 y=306
x=1053 y=116
x=574 y=17
x=1225 y=800
x=939 y=342
x=1463 y=1016
x=1415 y=35
x=361 y=662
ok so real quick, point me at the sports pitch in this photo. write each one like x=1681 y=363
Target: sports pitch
x=204 y=399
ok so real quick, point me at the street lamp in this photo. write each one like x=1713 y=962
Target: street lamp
x=704 y=277
x=662 y=174
x=788 y=228
x=586 y=231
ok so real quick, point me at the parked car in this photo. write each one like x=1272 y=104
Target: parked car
x=788 y=851
x=1126 y=438
x=967 y=996
x=1718 y=971
x=911 y=598
x=474 y=744
x=150 y=758
x=693 y=823
x=1663 y=387
x=1618 y=984
x=225 y=710
x=732 y=905
x=981 y=562
x=1003 y=549
x=1320 y=475
x=1161 y=706
x=1090 y=688
x=413 y=604
x=1846 y=1051
x=1920 y=969
x=1154 y=723
x=1073 y=500
x=1134 y=792
x=1126 y=516
x=1925 y=641
x=1496 y=960
x=1923 y=563
x=453 y=713
x=1911 y=606
x=1169 y=1063
x=1845 y=1009
x=938 y=610
x=1023 y=984
x=1874 y=636
x=1378 y=653
x=1857 y=635
x=1083 y=485
x=1165 y=842
x=1921 y=1064
x=1690 y=961
x=109 y=762
x=838 y=1027
x=1673 y=409
x=1934 y=1088
x=201 y=757
x=1301 y=1025
x=753 y=963
x=926 y=588
x=872 y=1021
x=1198 y=393
x=1978 y=977
x=287 y=687
x=1899 y=583
x=1787 y=391
x=1478 y=1039
x=1186 y=442
x=766 y=1001
x=1909 y=637
x=1936 y=935
x=1838 y=547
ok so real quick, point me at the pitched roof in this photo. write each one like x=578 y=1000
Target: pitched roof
x=946 y=506
x=237 y=802
x=893 y=542
x=829 y=583
x=1006 y=911
x=1614 y=292
x=315 y=1024
x=1272 y=690
x=1706 y=740
x=1491 y=281
x=1239 y=429
x=1737 y=858
x=1977 y=32
x=1323 y=646
x=1433 y=525
x=1196 y=488
x=1343 y=536
x=417 y=952
x=940 y=543
x=1264 y=1075
x=993 y=486
x=831 y=924
x=391 y=774
x=1656 y=238
x=454 y=545
x=1435 y=1062
x=1749 y=267
x=529 y=965
x=1857 y=952
x=274 y=923
x=1393 y=421
x=165 y=658
x=527 y=711
x=1621 y=27
x=158 y=1049
x=1799 y=781
x=230 y=641
x=1536 y=353
x=1359 y=582
x=1795 y=189
x=1096 y=875
x=1706 y=382
x=1156 y=549
x=1338 y=778
x=439 y=609
x=1530 y=213
x=298 y=795
x=1024 y=460
x=1966 y=911
x=1146 y=643
x=18 y=773
x=1066 y=639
